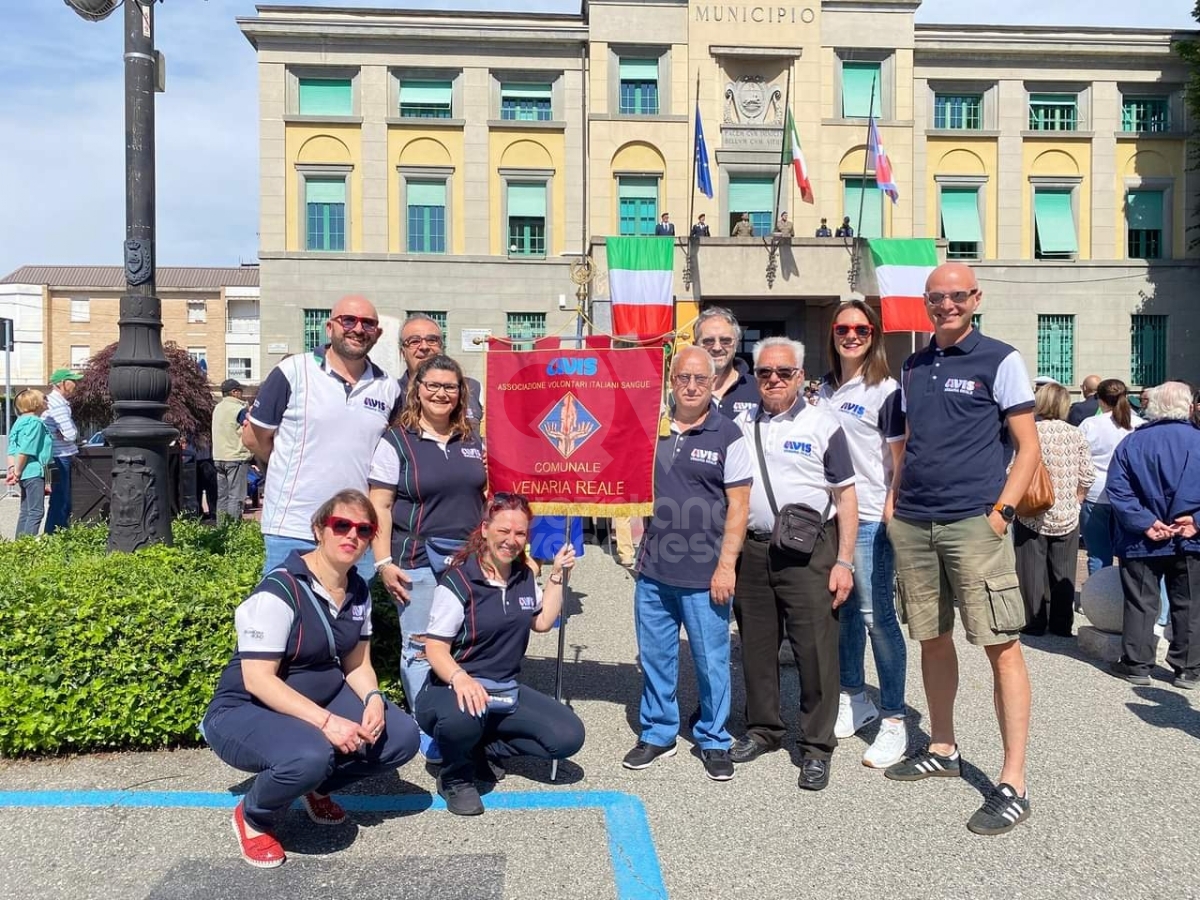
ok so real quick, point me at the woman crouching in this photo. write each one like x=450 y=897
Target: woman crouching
x=483 y=610
x=299 y=702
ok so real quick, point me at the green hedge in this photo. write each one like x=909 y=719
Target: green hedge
x=103 y=651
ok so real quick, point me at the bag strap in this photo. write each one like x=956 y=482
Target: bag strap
x=762 y=465
x=322 y=614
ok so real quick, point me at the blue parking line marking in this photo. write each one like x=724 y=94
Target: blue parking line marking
x=636 y=871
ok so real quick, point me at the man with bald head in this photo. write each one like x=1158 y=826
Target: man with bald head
x=968 y=403
x=316 y=421
x=1089 y=405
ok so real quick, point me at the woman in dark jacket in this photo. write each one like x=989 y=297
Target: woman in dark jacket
x=1154 y=488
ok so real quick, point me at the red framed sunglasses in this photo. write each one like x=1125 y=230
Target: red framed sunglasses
x=365 y=531
x=862 y=331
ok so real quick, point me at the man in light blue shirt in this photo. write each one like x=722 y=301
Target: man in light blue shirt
x=66 y=437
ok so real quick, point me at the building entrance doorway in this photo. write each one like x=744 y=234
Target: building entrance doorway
x=754 y=331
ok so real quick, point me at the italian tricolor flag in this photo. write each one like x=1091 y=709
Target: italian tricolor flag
x=639 y=282
x=794 y=155
x=901 y=267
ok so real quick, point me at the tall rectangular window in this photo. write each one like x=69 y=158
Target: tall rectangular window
x=960 y=222
x=1145 y=114
x=81 y=309
x=958 y=111
x=865 y=195
x=754 y=195
x=862 y=91
x=426 y=99
x=526 y=328
x=325 y=216
x=1144 y=224
x=639 y=87
x=1148 y=350
x=1053 y=112
x=426 y=216
x=326 y=97
x=80 y=354
x=1056 y=347
x=526 y=219
x=197 y=312
x=637 y=205
x=525 y=102
x=314 y=328
x=1054 y=224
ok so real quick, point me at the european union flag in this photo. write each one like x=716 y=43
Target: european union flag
x=703 y=175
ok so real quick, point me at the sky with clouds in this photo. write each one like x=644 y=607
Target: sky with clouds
x=62 y=120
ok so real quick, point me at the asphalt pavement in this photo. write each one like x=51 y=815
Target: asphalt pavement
x=1114 y=775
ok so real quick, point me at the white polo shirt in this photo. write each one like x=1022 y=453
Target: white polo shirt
x=1103 y=436
x=807 y=455
x=325 y=435
x=871 y=417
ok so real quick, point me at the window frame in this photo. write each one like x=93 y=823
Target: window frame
x=244 y=373
x=444 y=174
x=1056 y=371
x=75 y=304
x=199 y=355
x=657 y=178
x=857 y=225
x=1054 y=183
x=520 y=342
x=1165 y=186
x=309 y=326
x=662 y=55
x=886 y=60
x=1164 y=99
x=962 y=183
x=77 y=364
x=324 y=73
x=1159 y=373
x=1076 y=106
x=545 y=177
x=306 y=172
x=197 y=312
x=979 y=98
x=398 y=75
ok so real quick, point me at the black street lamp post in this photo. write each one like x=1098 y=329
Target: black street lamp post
x=140 y=513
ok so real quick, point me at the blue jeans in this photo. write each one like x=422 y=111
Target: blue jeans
x=279 y=547
x=59 y=514
x=871 y=609
x=659 y=610
x=1096 y=526
x=414 y=620
x=33 y=506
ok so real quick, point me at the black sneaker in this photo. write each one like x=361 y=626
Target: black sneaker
x=1186 y=680
x=462 y=797
x=926 y=764
x=1001 y=812
x=1122 y=669
x=644 y=754
x=716 y=764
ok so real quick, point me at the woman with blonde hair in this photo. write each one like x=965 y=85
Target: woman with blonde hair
x=1047 y=544
x=29 y=451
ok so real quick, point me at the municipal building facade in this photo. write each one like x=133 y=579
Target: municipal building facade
x=459 y=164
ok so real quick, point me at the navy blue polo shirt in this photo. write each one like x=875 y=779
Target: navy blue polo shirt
x=439 y=489
x=958 y=450
x=692 y=469
x=742 y=395
x=279 y=622
x=474 y=398
x=487 y=623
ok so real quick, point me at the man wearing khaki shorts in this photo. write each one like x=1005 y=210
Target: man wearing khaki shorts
x=968 y=402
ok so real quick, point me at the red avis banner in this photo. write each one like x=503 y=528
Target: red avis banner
x=574 y=430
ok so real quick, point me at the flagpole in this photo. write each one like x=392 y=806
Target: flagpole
x=562 y=637
x=862 y=195
x=695 y=153
x=787 y=106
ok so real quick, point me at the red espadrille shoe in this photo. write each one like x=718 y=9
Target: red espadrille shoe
x=263 y=851
x=323 y=810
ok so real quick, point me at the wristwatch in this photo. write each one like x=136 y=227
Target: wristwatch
x=845 y=565
x=1007 y=512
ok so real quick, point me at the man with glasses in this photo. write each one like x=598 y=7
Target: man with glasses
x=686 y=568
x=421 y=338
x=717 y=332
x=316 y=421
x=802 y=458
x=968 y=402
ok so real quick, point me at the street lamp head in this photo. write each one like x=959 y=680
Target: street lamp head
x=94 y=10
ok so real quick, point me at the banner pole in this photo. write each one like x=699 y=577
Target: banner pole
x=695 y=153
x=787 y=106
x=862 y=187
x=562 y=638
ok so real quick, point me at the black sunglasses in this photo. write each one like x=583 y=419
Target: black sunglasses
x=785 y=373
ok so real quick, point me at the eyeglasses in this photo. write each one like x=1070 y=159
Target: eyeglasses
x=937 y=298
x=437 y=387
x=681 y=381
x=349 y=323
x=433 y=340
x=785 y=373
x=342 y=527
x=861 y=331
x=709 y=342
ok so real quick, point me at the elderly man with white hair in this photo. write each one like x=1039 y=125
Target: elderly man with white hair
x=797 y=564
x=1154 y=488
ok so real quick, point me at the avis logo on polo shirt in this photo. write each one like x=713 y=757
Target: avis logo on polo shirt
x=854 y=409
x=472 y=453
x=711 y=457
x=358 y=612
x=376 y=404
x=804 y=447
x=742 y=405
x=961 y=385
x=527 y=603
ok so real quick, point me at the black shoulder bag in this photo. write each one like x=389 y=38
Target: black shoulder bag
x=797 y=525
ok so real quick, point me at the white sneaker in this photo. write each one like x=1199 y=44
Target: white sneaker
x=889 y=746
x=854 y=711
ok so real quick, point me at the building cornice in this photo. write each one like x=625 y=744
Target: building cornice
x=1006 y=41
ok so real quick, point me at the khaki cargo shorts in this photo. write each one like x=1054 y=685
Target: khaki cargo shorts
x=937 y=562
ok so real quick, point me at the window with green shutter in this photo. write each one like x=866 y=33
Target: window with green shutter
x=637 y=205
x=325 y=214
x=1144 y=224
x=754 y=195
x=1148 y=350
x=426 y=99
x=958 y=111
x=326 y=97
x=1054 y=224
x=960 y=222
x=525 y=328
x=1053 y=112
x=1145 y=114
x=638 y=87
x=525 y=102
x=426 y=208
x=526 y=218
x=862 y=90
x=314 y=328
x=1056 y=347
x=856 y=194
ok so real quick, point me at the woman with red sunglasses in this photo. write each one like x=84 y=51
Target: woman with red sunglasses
x=484 y=609
x=859 y=389
x=299 y=703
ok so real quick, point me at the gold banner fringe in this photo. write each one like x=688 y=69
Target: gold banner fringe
x=600 y=510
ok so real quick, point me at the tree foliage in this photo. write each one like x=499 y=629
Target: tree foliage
x=189 y=408
x=1189 y=52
